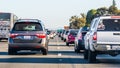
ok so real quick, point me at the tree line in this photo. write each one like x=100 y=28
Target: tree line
x=84 y=20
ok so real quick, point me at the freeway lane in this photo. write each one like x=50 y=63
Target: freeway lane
x=59 y=56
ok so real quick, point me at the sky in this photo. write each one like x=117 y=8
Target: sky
x=54 y=13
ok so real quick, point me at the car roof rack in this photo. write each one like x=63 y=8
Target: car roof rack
x=28 y=20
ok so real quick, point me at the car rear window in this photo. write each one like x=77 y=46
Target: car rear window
x=66 y=32
x=74 y=32
x=85 y=28
x=29 y=26
x=109 y=25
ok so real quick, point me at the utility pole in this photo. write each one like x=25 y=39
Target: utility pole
x=114 y=3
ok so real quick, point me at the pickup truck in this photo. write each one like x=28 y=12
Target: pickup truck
x=103 y=37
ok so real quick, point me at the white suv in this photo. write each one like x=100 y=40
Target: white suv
x=103 y=37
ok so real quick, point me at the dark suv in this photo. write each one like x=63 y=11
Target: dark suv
x=28 y=34
x=79 y=39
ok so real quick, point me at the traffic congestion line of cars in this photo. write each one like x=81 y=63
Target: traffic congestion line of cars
x=68 y=36
x=102 y=37
x=74 y=36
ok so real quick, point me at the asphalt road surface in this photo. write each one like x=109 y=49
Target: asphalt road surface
x=59 y=56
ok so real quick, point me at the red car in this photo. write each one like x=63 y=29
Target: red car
x=71 y=36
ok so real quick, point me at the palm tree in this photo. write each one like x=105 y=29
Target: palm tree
x=73 y=21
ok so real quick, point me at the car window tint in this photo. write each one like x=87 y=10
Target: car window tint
x=66 y=32
x=85 y=29
x=74 y=32
x=109 y=25
x=27 y=27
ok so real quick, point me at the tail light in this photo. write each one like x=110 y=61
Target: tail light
x=95 y=36
x=80 y=36
x=13 y=35
x=115 y=16
x=70 y=36
x=41 y=35
x=37 y=46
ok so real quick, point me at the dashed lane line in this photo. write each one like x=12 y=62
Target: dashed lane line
x=59 y=54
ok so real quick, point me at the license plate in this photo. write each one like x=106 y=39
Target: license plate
x=115 y=47
x=27 y=37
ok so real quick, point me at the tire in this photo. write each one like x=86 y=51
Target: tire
x=44 y=51
x=58 y=35
x=51 y=37
x=85 y=54
x=12 y=52
x=61 y=38
x=67 y=44
x=91 y=56
x=64 y=40
x=0 y=39
x=76 y=49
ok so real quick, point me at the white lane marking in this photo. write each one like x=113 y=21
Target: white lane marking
x=58 y=43
x=58 y=48
x=59 y=54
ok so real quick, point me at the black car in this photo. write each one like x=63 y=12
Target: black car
x=28 y=34
x=79 y=39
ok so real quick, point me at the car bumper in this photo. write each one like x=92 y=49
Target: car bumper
x=106 y=47
x=27 y=46
x=81 y=44
x=71 y=40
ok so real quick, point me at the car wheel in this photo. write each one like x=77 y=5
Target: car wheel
x=44 y=51
x=12 y=52
x=61 y=38
x=0 y=39
x=51 y=37
x=91 y=56
x=76 y=49
x=67 y=44
x=64 y=40
x=85 y=54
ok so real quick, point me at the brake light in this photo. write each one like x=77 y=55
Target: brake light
x=37 y=46
x=13 y=35
x=115 y=16
x=95 y=36
x=80 y=36
x=69 y=36
x=41 y=35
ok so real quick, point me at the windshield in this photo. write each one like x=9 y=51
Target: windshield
x=27 y=27
x=4 y=16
